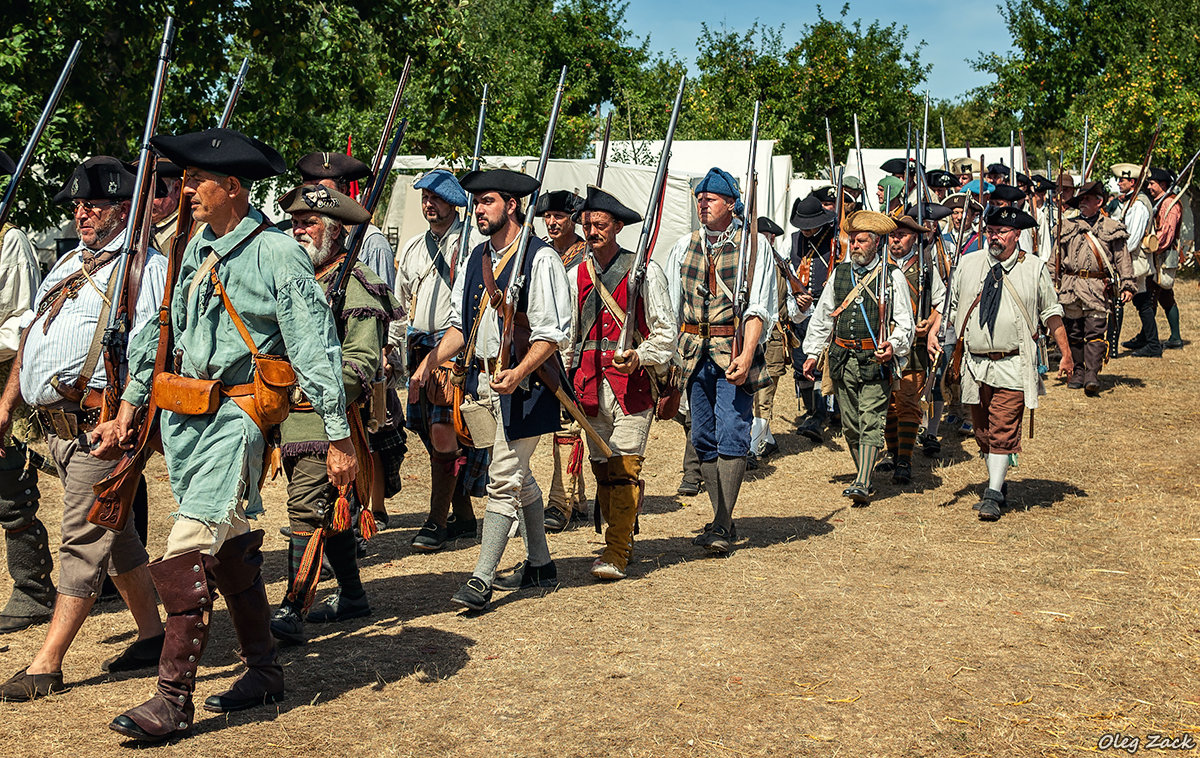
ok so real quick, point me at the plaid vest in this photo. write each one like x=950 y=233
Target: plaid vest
x=714 y=308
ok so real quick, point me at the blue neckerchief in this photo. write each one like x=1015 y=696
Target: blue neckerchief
x=862 y=308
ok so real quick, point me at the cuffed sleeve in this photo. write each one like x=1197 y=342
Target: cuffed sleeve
x=306 y=323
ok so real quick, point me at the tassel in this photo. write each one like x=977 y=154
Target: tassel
x=341 y=512
x=308 y=575
x=575 y=464
x=366 y=524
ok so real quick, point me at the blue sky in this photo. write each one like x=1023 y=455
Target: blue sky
x=953 y=31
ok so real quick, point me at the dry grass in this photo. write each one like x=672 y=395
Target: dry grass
x=905 y=629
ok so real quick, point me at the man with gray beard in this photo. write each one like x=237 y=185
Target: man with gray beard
x=319 y=513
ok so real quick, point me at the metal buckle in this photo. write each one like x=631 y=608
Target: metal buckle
x=702 y=330
x=64 y=425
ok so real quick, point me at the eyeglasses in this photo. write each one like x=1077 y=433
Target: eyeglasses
x=91 y=208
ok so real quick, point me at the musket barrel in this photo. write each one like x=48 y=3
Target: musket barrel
x=464 y=242
x=234 y=91
x=48 y=110
x=604 y=150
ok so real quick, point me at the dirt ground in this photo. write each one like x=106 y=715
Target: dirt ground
x=908 y=628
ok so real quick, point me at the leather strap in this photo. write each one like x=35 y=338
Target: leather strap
x=705 y=330
x=1094 y=244
x=854 y=344
x=609 y=301
x=489 y=283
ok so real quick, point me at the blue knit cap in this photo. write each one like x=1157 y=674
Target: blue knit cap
x=443 y=184
x=721 y=183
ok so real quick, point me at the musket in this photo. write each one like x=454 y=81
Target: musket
x=925 y=131
x=1176 y=187
x=234 y=90
x=1084 y=166
x=945 y=153
x=10 y=192
x=1141 y=182
x=516 y=281
x=862 y=173
x=604 y=151
x=1012 y=159
x=749 y=247
x=464 y=242
x=907 y=169
x=116 y=333
x=1058 y=226
x=1024 y=154
x=388 y=124
x=829 y=145
x=1091 y=163
x=637 y=271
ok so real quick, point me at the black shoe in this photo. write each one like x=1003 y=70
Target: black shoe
x=1075 y=385
x=688 y=488
x=287 y=626
x=931 y=446
x=1175 y=343
x=719 y=540
x=812 y=429
x=338 y=607
x=527 y=576
x=860 y=496
x=989 y=506
x=1092 y=389
x=381 y=520
x=771 y=448
x=751 y=462
x=286 y=531
x=474 y=595
x=456 y=528
x=429 y=538
x=902 y=473
x=1137 y=343
x=885 y=466
x=555 y=520
x=1148 y=351
x=700 y=539
x=17 y=623
x=140 y=654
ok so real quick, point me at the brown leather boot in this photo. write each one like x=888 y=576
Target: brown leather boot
x=238 y=575
x=624 y=492
x=184 y=584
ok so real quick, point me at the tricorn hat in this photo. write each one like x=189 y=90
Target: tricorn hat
x=599 y=200
x=958 y=200
x=1009 y=216
x=168 y=170
x=932 y=211
x=1008 y=193
x=997 y=168
x=1126 y=171
x=808 y=213
x=908 y=223
x=317 y=198
x=1089 y=188
x=558 y=201
x=502 y=180
x=941 y=179
x=897 y=166
x=102 y=177
x=767 y=226
x=1162 y=176
x=964 y=165
x=1041 y=183
x=222 y=151
x=868 y=221
x=331 y=165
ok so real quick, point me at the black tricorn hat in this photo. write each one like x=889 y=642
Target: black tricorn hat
x=933 y=211
x=1008 y=192
x=808 y=213
x=767 y=226
x=1162 y=176
x=896 y=166
x=102 y=177
x=909 y=224
x=317 y=198
x=599 y=200
x=6 y=164
x=167 y=170
x=1009 y=216
x=331 y=165
x=960 y=199
x=1023 y=179
x=1041 y=183
x=558 y=201
x=941 y=179
x=502 y=180
x=222 y=151
x=997 y=168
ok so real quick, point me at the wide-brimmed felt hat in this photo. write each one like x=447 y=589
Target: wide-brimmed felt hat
x=317 y=198
x=599 y=200
x=222 y=151
x=868 y=221
x=502 y=180
x=808 y=213
x=1092 y=187
x=909 y=224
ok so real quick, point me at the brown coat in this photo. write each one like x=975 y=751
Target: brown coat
x=1084 y=280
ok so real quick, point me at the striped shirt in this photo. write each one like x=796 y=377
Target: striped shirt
x=63 y=350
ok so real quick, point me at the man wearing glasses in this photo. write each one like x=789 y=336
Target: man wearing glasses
x=61 y=376
x=997 y=302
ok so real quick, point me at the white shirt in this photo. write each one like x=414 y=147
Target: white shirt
x=903 y=329
x=764 y=292
x=422 y=291
x=63 y=350
x=376 y=254
x=550 y=309
x=1136 y=219
x=19 y=276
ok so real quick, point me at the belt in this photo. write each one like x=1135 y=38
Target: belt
x=486 y=366
x=1090 y=274
x=854 y=344
x=996 y=355
x=705 y=330
x=67 y=422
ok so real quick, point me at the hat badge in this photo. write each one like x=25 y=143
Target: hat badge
x=75 y=186
x=319 y=199
x=114 y=185
x=216 y=143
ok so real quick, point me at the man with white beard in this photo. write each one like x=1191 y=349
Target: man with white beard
x=318 y=512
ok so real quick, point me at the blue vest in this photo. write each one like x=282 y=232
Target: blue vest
x=532 y=409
